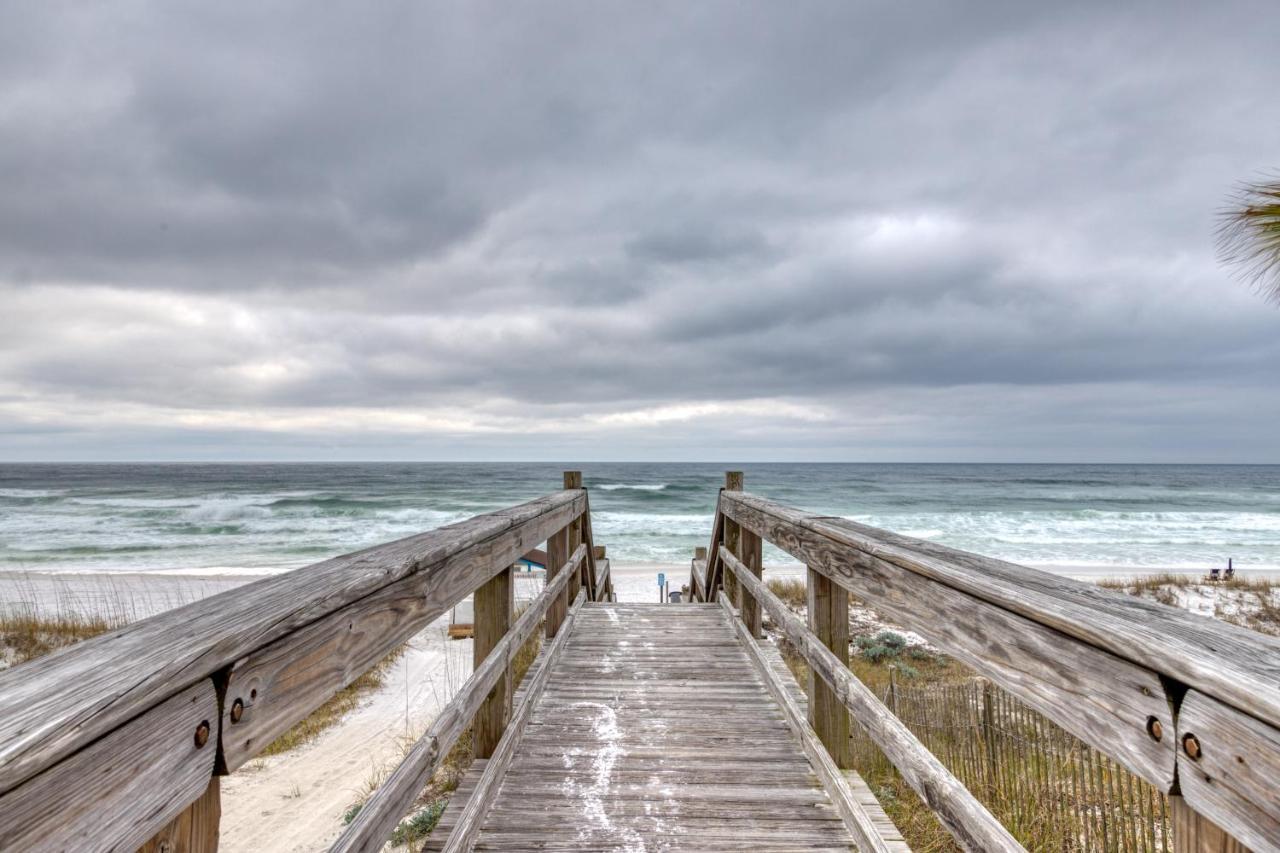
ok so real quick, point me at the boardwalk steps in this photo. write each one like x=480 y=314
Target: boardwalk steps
x=655 y=730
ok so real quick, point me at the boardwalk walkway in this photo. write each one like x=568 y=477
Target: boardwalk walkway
x=655 y=731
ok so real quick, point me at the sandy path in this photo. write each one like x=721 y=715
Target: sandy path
x=295 y=801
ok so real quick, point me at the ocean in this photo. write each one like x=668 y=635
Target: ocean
x=259 y=518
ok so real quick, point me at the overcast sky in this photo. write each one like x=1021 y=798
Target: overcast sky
x=583 y=231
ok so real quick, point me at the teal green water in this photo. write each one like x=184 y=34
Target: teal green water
x=153 y=517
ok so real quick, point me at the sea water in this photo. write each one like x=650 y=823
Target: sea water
x=268 y=517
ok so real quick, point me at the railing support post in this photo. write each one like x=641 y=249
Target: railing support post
x=731 y=540
x=494 y=604
x=750 y=552
x=1195 y=833
x=829 y=620
x=195 y=829
x=573 y=480
x=557 y=555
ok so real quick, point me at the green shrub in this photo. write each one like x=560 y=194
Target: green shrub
x=420 y=825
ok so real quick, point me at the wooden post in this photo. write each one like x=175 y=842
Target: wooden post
x=732 y=483
x=557 y=555
x=195 y=829
x=829 y=620
x=1195 y=833
x=750 y=552
x=573 y=480
x=700 y=553
x=494 y=604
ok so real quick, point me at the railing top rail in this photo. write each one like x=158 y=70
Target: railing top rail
x=56 y=704
x=1235 y=665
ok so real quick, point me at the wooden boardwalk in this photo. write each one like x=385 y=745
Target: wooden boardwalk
x=656 y=732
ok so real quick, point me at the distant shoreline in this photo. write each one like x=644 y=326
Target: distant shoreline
x=132 y=595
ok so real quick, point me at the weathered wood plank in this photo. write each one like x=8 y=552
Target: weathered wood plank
x=828 y=614
x=121 y=790
x=58 y=703
x=1238 y=666
x=195 y=829
x=750 y=552
x=1234 y=780
x=855 y=818
x=469 y=822
x=1101 y=698
x=273 y=688
x=495 y=602
x=1194 y=833
x=557 y=556
x=383 y=810
x=965 y=818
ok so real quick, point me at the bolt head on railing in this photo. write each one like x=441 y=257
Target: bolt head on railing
x=1191 y=746
x=1155 y=728
x=202 y=734
x=237 y=710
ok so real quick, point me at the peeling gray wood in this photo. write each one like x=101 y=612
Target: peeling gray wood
x=968 y=820
x=463 y=836
x=1236 y=780
x=1238 y=666
x=121 y=790
x=856 y=819
x=617 y=752
x=1101 y=698
x=58 y=703
x=384 y=809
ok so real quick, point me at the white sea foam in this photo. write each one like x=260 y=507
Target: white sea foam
x=633 y=487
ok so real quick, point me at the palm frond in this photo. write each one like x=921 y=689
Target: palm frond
x=1249 y=235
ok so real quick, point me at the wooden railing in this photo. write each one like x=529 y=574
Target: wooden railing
x=119 y=742
x=1189 y=704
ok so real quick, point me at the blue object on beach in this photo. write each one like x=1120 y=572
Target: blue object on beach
x=662 y=579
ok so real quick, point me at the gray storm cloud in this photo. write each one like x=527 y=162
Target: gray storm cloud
x=834 y=231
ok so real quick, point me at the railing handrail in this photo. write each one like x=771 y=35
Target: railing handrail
x=165 y=704
x=393 y=798
x=965 y=817
x=1235 y=665
x=1190 y=704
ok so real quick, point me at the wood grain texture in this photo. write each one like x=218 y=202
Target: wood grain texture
x=1194 y=833
x=855 y=817
x=464 y=833
x=1235 y=782
x=965 y=818
x=557 y=557
x=615 y=754
x=386 y=806
x=750 y=552
x=495 y=601
x=1101 y=698
x=195 y=829
x=56 y=704
x=828 y=615
x=697 y=573
x=711 y=577
x=119 y=791
x=280 y=684
x=1238 y=666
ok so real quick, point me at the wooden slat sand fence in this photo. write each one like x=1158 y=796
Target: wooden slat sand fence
x=1189 y=705
x=1040 y=780
x=118 y=743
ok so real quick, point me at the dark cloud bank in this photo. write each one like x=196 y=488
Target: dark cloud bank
x=594 y=230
